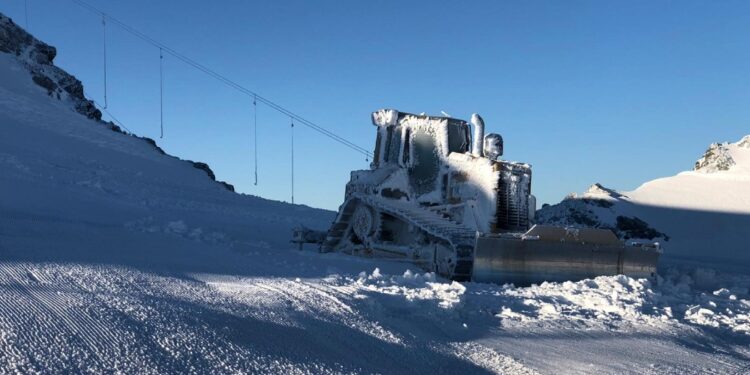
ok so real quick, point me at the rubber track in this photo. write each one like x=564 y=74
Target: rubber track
x=461 y=238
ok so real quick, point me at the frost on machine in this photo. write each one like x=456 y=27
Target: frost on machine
x=445 y=200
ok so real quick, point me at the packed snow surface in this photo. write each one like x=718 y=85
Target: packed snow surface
x=117 y=258
x=710 y=187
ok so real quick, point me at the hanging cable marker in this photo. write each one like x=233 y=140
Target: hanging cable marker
x=223 y=79
x=255 y=136
x=26 y=13
x=161 y=92
x=104 y=45
x=292 y=160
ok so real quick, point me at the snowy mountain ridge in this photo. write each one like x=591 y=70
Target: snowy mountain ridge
x=695 y=214
x=598 y=207
x=720 y=182
x=38 y=57
x=726 y=157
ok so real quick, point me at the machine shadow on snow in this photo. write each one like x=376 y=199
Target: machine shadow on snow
x=701 y=238
x=704 y=340
x=718 y=232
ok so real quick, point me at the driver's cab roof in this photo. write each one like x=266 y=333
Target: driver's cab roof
x=403 y=136
x=390 y=117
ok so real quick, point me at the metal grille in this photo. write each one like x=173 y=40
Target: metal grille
x=513 y=192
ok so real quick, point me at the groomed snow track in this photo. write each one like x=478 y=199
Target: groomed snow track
x=64 y=318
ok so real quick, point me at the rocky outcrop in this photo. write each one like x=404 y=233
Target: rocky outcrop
x=716 y=158
x=204 y=167
x=38 y=57
x=598 y=189
x=635 y=228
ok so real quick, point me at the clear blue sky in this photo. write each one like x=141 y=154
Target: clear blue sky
x=585 y=91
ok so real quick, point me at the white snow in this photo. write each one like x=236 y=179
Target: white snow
x=437 y=126
x=116 y=258
x=385 y=117
x=707 y=189
x=707 y=215
x=481 y=185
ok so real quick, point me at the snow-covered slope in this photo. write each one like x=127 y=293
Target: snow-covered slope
x=36 y=57
x=719 y=183
x=699 y=216
x=117 y=258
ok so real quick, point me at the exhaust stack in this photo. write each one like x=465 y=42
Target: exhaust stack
x=478 y=141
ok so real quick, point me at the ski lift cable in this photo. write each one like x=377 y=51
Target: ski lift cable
x=255 y=137
x=118 y=122
x=161 y=92
x=226 y=80
x=104 y=55
x=292 y=122
x=26 y=13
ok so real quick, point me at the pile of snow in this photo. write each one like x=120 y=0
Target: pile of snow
x=704 y=297
x=604 y=301
x=414 y=287
x=681 y=296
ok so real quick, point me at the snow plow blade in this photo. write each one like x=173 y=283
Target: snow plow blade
x=548 y=253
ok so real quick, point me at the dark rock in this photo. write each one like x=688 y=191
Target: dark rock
x=153 y=143
x=633 y=227
x=598 y=202
x=204 y=167
x=114 y=127
x=13 y=39
x=45 y=53
x=227 y=186
x=587 y=218
x=716 y=158
x=72 y=86
x=45 y=82
x=38 y=57
x=89 y=110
